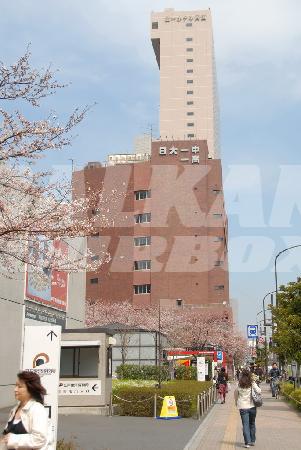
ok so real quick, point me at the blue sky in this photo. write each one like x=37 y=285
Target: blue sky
x=103 y=48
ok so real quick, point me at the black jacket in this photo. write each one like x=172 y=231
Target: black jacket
x=275 y=373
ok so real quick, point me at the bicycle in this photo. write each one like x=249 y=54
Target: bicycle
x=275 y=386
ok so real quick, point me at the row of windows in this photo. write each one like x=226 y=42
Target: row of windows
x=146 y=288
x=155 y=26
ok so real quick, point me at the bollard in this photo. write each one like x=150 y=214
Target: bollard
x=155 y=406
x=198 y=407
x=202 y=404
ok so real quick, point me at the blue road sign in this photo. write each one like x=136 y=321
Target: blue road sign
x=219 y=356
x=252 y=331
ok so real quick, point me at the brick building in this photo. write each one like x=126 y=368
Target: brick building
x=168 y=239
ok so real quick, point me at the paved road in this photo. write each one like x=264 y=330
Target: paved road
x=278 y=426
x=123 y=433
x=127 y=433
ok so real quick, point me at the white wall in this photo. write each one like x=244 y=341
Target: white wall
x=76 y=288
x=11 y=319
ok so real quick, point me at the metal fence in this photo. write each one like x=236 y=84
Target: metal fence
x=205 y=400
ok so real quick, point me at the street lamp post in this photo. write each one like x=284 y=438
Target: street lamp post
x=159 y=345
x=275 y=267
x=265 y=326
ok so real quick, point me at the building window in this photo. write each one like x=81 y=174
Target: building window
x=79 y=362
x=142 y=240
x=189 y=24
x=142 y=289
x=191 y=135
x=155 y=25
x=190 y=102
x=95 y=258
x=218 y=239
x=94 y=281
x=143 y=218
x=217 y=215
x=216 y=191
x=189 y=92
x=219 y=287
x=144 y=264
x=189 y=81
x=189 y=39
x=189 y=70
x=141 y=195
x=190 y=124
x=218 y=263
x=95 y=212
x=190 y=113
x=189 y=60
x=190 y=49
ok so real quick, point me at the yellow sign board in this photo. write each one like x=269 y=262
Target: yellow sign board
x=169 y=408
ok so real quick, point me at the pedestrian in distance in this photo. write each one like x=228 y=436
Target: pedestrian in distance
x=274 y=377
x=222 y=381
x=28 y=426
x=246 y=406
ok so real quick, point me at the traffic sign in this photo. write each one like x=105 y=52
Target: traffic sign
x=219 y=356
x=252 y=331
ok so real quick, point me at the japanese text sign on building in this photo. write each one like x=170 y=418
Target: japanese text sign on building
x=195 y=18
x=190 y=154
x=80 y=387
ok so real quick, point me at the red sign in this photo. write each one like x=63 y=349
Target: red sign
x=50 y=287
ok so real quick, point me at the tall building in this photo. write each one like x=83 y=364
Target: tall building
x=183 y=45
x=167 y=237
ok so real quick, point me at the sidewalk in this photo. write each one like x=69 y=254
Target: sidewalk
x=278 y=426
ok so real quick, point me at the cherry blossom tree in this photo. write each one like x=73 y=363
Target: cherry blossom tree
x=33 y=210
x=184 y=328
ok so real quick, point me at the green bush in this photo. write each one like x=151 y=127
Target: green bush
x=186 y=373
x=293 y=395
x=139 y=401
x=134 y=372
x=287 y=388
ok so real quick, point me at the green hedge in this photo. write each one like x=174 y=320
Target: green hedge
x=186 y=373
x=134 y=372
x=139 y=401
x=293 y=395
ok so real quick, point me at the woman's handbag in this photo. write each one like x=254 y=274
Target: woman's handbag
x=257 y=398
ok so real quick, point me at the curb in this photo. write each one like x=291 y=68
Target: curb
x=195 y=441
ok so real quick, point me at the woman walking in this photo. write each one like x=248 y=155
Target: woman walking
x=222 y=381
x=246 y=406
x=27 y=425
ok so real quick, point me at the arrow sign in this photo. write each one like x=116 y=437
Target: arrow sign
x=95 y=387
x=51 y=334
